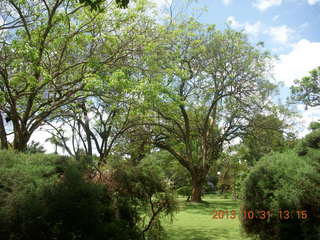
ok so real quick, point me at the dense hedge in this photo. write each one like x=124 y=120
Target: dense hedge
x=46 y=197
x=285 y=181
x=21 y=173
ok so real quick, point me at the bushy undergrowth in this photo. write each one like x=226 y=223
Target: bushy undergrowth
x=43 y=198
x=287 y=181
x=49 y=197
x=145 y=190
x=23 y=173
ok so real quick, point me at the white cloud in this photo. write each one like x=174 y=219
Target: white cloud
x=263 y=5
x=248 y=28
x=233 y=22
x=226 y=2
x=303 y=58
x=159 y=8
x=308 y=115
x=252 y=28
x=280 y=34
x=312 y=2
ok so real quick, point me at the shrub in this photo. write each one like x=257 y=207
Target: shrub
x=21 y=173
x=285 y=181
x=61 y=208
x=145 y=189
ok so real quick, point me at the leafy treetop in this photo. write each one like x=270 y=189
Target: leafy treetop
x=307 y=89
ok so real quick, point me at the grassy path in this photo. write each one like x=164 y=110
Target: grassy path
x=195 y=222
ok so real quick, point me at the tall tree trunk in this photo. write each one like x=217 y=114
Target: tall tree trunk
x=19 y=145
x=3 y=136
x=197 y=186
x=87 y=130
x=196 y=192
x=20 y=141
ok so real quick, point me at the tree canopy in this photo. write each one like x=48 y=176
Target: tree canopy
x=51 y=53
x=119 y=82
x=307 y=89
x=210 y=84
x=264 y=134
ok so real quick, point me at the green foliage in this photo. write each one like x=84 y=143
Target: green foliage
x=122 y=3
x=286 y=181
x=168 y=168
x=21 y=172
x=233 y=168
x=197 y=103
x=21 y=175
x=65 y=207
x=97 y=4
x=307 y=89
x=48 y=67
x=263 y=135
x=238 y=185
x=94 y=4
x=145 y=189
x=314 y=125
x=312 y=140
x=185 y=191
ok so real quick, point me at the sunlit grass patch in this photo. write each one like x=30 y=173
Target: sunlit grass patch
x=194 y=221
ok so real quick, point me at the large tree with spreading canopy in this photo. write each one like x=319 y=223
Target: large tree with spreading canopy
x=208 y=85
x=50 y=52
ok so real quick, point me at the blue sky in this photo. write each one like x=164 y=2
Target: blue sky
x=279 y=23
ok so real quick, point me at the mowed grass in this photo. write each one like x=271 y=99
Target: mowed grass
x=194 y=221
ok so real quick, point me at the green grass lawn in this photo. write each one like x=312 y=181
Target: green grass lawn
x=194 y=221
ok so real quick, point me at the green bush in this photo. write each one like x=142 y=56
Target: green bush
x=21 y=173
x=146 y=190
x=40 y=204
x=51 y=197
x=285 y=181
x=311 y=141
x=185 y=191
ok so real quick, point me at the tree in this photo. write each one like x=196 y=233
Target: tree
x=50 y=52
x=211 y=82
x=101 y=132
x=233 y=170
x=307 y=89
x=57 y=142
x=3 y=135
x=98 y=122
x=265 y=133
